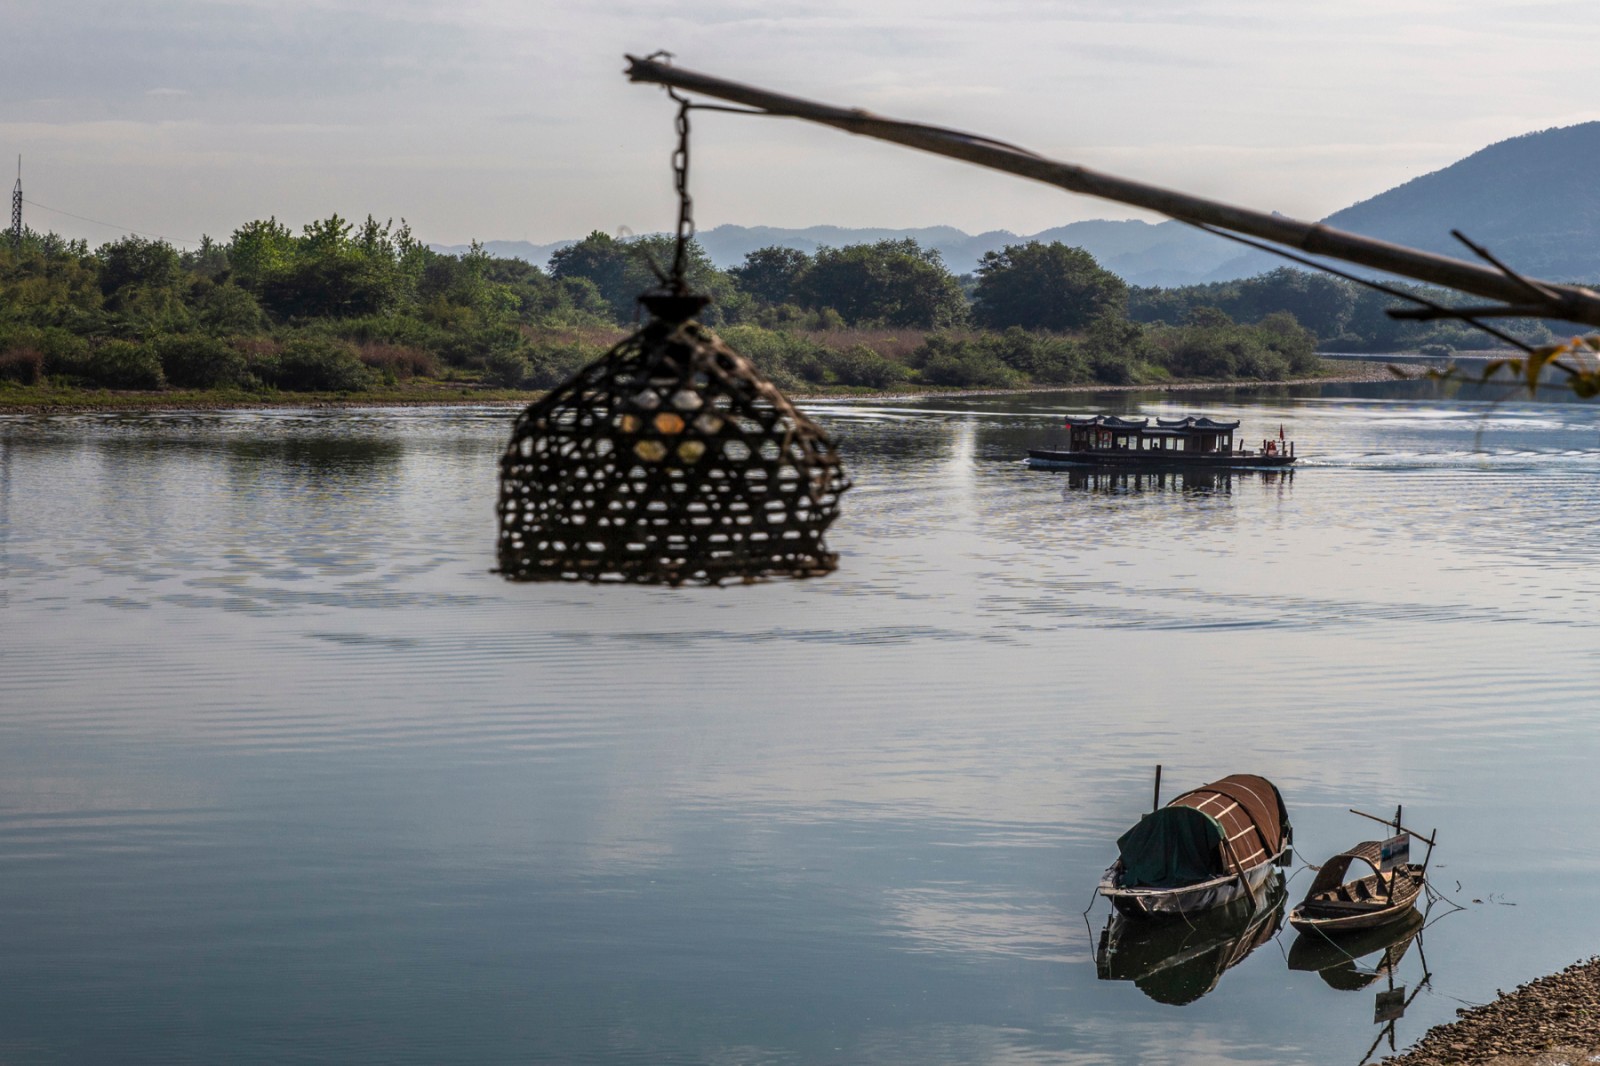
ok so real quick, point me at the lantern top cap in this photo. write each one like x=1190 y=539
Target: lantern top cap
x=673 y=308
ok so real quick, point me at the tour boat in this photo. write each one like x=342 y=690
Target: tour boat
x=1208 y=847
x=1194 y=441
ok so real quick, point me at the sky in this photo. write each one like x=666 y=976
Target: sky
x=511 y=119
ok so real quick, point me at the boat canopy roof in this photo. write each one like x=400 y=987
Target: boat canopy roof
x=1190 y=424
x=1228 y=826
x=1332 y=874
x=1196 y=422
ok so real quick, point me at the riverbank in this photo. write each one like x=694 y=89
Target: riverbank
x=1553 y=1021
x=43 y=400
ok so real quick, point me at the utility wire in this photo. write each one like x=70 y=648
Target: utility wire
x=99 y=222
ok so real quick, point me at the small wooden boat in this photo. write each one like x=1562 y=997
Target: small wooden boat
x=1387 y=894
x=1208 y=847
x=1171 y=444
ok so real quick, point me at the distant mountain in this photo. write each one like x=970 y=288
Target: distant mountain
x=537 y=254
x=1533 y=200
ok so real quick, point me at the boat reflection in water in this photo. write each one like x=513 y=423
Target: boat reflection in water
x=1177 y=961
x=1214 y=482
x=1337 y=960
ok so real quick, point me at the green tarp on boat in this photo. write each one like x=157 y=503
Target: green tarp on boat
x=1169 y=847
x=1228 y=826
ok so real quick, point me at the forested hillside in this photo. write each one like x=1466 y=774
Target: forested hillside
x=342 y=307
x=1533 y=200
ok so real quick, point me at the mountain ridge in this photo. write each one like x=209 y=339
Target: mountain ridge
x=1531 y=199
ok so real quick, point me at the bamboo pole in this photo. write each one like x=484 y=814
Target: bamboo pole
x=1572 y=303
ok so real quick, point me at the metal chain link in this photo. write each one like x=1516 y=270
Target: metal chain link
x=680 y=172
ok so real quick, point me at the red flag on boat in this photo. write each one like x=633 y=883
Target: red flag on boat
x=1280 y=430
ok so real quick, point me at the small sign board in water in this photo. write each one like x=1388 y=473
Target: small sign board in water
x=1396 y=851
x=1390 y=1006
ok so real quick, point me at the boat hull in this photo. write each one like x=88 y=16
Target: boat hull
x=1186 y=899
x=1048 y=459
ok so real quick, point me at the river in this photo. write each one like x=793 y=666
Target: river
x=288 y=775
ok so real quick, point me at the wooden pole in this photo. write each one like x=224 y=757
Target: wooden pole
x=1156 y=804
x=1572 y=303
x=1398 y=827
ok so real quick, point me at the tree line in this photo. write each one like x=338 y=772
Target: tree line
x=345 y=306
x=1344 y=315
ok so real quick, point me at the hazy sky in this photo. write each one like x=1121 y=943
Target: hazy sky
x=499 y=119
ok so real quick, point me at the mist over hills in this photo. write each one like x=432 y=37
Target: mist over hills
x=1534 y=200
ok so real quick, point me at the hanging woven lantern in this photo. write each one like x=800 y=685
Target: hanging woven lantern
x=669 y=460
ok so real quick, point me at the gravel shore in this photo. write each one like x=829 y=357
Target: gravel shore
x=1554 y=1021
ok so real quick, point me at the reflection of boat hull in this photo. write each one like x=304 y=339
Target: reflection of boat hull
x=1334 y=956
x=1187 y=899
x=1051 y=459
x=1178 y=962
x=1210 y=480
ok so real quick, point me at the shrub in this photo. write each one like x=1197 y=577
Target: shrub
x=399 y=362
x=22 y=363
x=1042 y=356
x=123 y=365
x=508 y=369
x=260 y=360
x=471 y=348
x=397 y=329
x=550 y=364
x=860 y=365
x=60 y=353
x=309 y=364
x=226 y=309
x=780 y=356
x=1111 y=368
x=963 y=363
x=199 y=362
x=1296 y=344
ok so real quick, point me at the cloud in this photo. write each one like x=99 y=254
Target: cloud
x=528 y=99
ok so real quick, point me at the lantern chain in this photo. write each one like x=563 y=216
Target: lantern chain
x=680 y=173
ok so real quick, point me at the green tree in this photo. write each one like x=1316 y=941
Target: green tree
x=133 y=260
x=258 y=250
x=623 y=270
x=1044 y=286
x=897 y=283
x=769 y=274
x=604 y=262
x=1318 y=302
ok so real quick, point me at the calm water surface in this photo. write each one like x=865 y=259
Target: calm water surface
x=286 y=775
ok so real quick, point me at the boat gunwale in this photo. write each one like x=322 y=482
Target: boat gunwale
x=1110 y=890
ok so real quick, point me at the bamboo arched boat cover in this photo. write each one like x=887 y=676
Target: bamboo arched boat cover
x=1227 y=826
x=1333 y=872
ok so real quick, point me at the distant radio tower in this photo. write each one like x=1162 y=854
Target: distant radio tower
x=16 y=208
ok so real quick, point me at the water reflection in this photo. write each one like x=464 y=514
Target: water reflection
x=276 y=747
x=1185 y=482
x=1346 y=963
x=1177 y=962
x=1338 y=960
x=319 y=455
